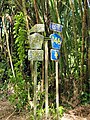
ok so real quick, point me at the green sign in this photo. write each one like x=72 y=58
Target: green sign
x=36 y=41
x=35 y=55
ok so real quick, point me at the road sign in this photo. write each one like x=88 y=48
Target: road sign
x=55 y=54
x=35 y=55
x=56 y=41
x=36 y=41
x=37 y=28
x=56 y=27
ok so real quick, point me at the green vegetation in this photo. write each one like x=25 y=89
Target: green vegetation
x=17 y=17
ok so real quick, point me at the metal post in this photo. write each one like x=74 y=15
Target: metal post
x=57 y=89
x=35 y=86
x=46 y=78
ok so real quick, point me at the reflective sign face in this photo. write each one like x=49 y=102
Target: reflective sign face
x=56 y=41
x=36 y=41
x=56 y=27
x=35 y=55
x=55 y=54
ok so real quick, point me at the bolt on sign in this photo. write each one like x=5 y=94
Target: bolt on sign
x=55 y=54
x=37 y=28
x=56 y=41
x=55 y=27
x=36 y=41
x=35 y=55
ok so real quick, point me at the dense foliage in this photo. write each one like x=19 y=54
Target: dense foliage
x=16 y=18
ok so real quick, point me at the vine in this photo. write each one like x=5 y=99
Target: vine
x=20 y=35
x=20 y=93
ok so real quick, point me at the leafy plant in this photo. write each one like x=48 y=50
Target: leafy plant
x=19 y=97
x=19 y=94
x=85 y=98
x=61 y=111
x=20 y=35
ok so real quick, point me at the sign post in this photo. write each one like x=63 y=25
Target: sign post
x=56 y=41
x=57 y=89
x=46 y=78
x=35 y=84
x=36 y=54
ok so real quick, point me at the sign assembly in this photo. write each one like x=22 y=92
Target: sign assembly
x=56 y=41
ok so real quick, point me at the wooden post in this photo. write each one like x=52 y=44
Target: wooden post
x=46 y=78
x=42 y=81
x=35 y=86
x=32 y=71
x=57 y=90
x=35 y=54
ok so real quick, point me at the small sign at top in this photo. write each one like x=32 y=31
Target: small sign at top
x=37 y=28
x=56 y=27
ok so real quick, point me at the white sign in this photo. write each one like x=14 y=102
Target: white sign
x=56 y=27
x=35 y=55
x=36 y=41
x=38 y=28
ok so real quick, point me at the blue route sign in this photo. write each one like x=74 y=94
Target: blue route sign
x=56 y=41
x=55 y=54
x=55 y=27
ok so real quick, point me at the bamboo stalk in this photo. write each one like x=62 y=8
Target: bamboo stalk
x=1 y=39
x=80 y=6
x=75 y=35
x=19 y=5
x=87 y=48
x=89 y=60
x=9 y=54
x=83 y=44
x=57 y=13
x=25 y=13
x=36 y=11
x=76 y=60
